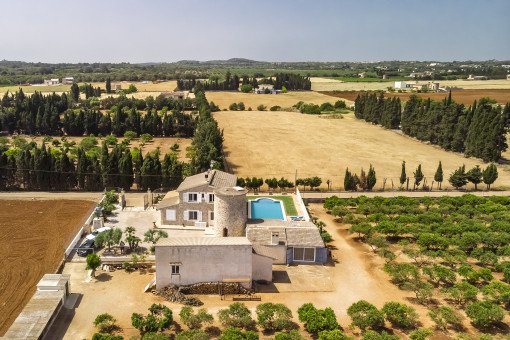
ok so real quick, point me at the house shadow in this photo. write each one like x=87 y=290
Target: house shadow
x=281 y=276
x=61 y=324
x=103 y=277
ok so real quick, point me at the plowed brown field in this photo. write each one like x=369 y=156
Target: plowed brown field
x=466 y=97
x=33 y=235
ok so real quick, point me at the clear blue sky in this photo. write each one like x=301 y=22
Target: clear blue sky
x=291 y=30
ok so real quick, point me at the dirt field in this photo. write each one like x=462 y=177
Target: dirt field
x=33 y=238
x=164 y=144
x=276 y=144
x=466 y=97
x=224 y=99
x=325 y=84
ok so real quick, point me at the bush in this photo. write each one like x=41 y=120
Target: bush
x=246 y=88
x=100 y=336
x=154 y=336
x=317 y=320
x=485 y=313
x=240 y=106
x=193 y=320
x=129 y=135
x=275 y=316
x=372 y=335
x=444 y=316
x=340 y=104
x=160 y=318
x=192 y=334
x=420 y=334
x=399 y=314
x=105 y=323
x=292 y=335
x=233 y=107
x=275 y=108
x=261 y=107
x=236 y=315
x=364 y=314
x=335 y=334
x=232 y=333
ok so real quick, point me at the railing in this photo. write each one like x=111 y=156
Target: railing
x=306 y=217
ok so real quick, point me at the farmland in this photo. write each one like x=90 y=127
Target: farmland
x=276 y=144
x=466 y=97
x=34 y=235
x=224 y=99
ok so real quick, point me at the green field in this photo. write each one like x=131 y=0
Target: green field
x=288 y=203
x=32 y=89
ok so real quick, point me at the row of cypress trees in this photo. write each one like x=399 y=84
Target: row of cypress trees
x=477 y=131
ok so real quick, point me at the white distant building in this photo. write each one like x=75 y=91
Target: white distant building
x=67 y=81
x=51 y=82
x=402 y=85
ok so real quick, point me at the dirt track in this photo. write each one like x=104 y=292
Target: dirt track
x=33 y=237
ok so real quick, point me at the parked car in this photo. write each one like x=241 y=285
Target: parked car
x=86 y=247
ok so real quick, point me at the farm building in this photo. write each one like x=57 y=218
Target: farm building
x=287 y=242
x=262 y=90
x=192 y=204
x=51 y=82
x=190 y=260
x=176 y=94
x=67 y=81
x=402 y=85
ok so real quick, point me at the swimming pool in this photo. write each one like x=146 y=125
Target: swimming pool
x=266 y=208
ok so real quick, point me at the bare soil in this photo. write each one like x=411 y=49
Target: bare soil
x=466 y=97
x=279 y=144
x=34 y=236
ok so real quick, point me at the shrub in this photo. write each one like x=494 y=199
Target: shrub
x=105 y=323
x=275 y=108
x=100 y=336
x=160 y=318
x=363 y=315
x=154 y=336
x=233 y=107
x=193 y=320
x=192 y=334
x=240 y=106
x=444 y=316
x=420 y=334
x=292 y=335
x=340 y=104
x=129 y=135
x=246 y=88
x=400 y=314
x=236 y=315
x=274 y=316
x=317 y=320
x=335 y=334
x=261 y=107
x=372 y=335
x=485 y=313
x=232 y=333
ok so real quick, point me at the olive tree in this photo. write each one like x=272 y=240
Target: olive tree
x=364 y=314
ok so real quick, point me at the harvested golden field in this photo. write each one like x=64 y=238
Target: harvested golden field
x=466 y=97
x=276 y=144
x=32 y=89
x=34 y=236
x=224 y=99
x=164 y=144
x=325 y=84
x=164 y=86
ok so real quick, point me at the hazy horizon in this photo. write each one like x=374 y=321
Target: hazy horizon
x=323 y=31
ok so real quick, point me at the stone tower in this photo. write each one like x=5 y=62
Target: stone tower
x=230 y=212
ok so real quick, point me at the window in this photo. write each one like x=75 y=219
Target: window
x=211 y=215
x=193 y=215
x=170 y=214
x=192 y=197
x=304 y=254
x=176 y=269
x=211 y=198
x=275 y=238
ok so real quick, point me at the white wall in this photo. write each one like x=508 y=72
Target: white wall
x=209 y=263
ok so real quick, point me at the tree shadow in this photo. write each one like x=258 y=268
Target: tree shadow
x=213 y=331
x=103 y=277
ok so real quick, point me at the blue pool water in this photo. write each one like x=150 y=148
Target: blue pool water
x=266 y=208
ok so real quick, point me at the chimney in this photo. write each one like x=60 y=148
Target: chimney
x=207 y=173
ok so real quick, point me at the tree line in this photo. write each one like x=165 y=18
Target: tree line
x=31 y=167
x=477 y=131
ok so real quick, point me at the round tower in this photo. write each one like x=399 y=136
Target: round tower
x=230 y=212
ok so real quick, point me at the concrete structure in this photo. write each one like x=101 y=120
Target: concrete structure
x=51 y=82
x=67 y=81
x=402 y=85
x=230 y=213
x=190 y=260
x=262 y=89
x=39 y=313
x=192 y=203
x=362 y=74
x=117 y=87
x=176 y=94
x=434 y=86
x=287 y=242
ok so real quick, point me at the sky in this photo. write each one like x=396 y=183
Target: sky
x=278 y=30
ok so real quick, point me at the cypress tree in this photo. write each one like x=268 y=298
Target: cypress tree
x=474 y=175
x=347 y=180
x=108 y=85
x=371 y=179
x=126 y=170
x=458 y=178
x=75 y=92
x=403 y=175
x=490 y=174
x=68 y=172
x=438 y=176
x=81 y=168
x=363 y=180
x=105 y=164
x=418 y=176
x=138 y=162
